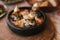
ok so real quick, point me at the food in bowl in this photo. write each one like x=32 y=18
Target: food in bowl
x=25 y=18
x=2 y=10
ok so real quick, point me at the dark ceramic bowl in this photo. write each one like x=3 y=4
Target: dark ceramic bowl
x=27 y=31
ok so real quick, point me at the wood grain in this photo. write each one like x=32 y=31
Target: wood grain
x=51 y=31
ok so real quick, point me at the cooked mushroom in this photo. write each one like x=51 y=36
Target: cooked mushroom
x=26 y=18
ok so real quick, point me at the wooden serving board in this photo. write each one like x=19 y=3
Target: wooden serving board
x=51 y=31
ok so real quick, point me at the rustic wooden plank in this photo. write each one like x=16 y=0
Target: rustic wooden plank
x=52 y=25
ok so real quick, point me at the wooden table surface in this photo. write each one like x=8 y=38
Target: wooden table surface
x=51 y=32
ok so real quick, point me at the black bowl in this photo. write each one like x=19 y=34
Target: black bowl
x=27 y=31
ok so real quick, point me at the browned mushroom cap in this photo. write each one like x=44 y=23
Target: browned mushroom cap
x=16 y=9
x=25 y=12
x=19 y=23
x=35 y=6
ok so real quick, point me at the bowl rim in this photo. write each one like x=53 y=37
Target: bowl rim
x=19 y=28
